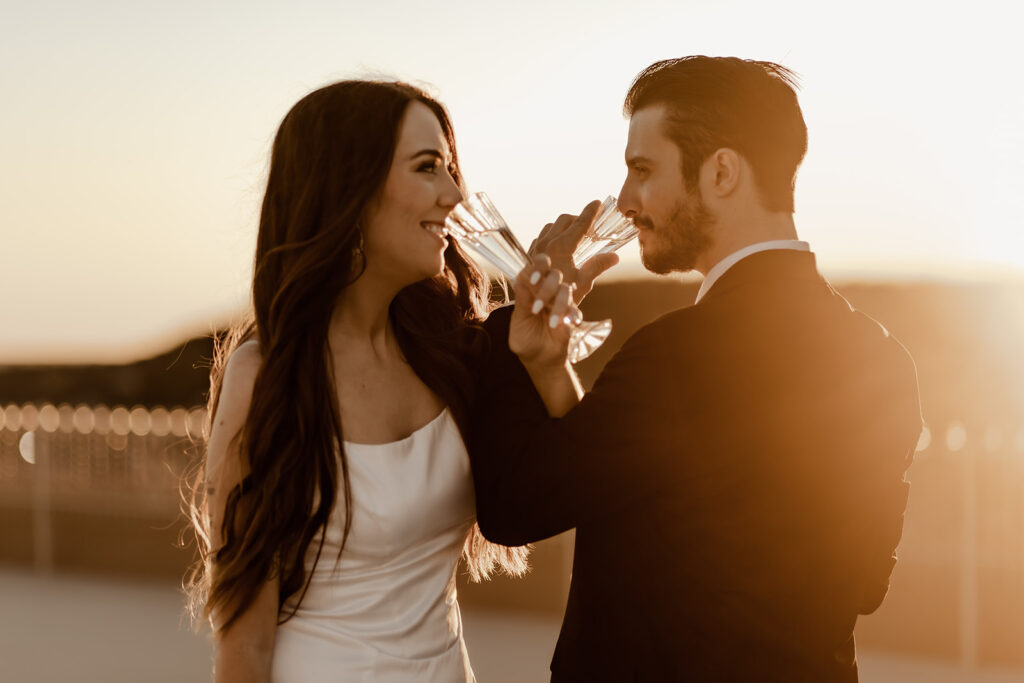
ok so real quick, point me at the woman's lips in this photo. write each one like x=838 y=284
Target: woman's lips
x=438 y=229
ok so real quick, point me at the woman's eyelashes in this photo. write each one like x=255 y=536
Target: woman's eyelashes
x=434 y=165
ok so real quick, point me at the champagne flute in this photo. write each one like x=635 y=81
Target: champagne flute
x=484 y=233
x=609 y=232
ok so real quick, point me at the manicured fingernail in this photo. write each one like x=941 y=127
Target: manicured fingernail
x=553 y=321
x=534 y=279
x=537 y=305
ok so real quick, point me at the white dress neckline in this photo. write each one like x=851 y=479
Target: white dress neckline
x=387 y=610
x=434 y=420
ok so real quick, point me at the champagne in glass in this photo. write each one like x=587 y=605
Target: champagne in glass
x=483 y=232
x=610 y=231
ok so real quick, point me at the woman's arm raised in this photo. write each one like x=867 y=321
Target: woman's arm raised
x=244 y=650
x=542 y=298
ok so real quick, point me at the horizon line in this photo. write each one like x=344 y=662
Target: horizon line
x=56 y=354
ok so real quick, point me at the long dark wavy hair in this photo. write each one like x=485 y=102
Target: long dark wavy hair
x=329 y=161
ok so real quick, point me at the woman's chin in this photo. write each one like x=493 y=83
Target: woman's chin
x=432 y=271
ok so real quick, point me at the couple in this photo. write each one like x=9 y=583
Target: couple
x=735 y=477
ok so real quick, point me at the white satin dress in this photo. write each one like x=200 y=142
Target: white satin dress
x=387 y=612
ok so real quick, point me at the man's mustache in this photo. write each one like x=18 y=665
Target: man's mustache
x=643 y=222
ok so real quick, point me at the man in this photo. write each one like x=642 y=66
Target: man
x=736 y=474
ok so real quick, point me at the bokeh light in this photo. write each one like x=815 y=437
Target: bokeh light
x=101 y=419
x=12 y=418
x=120 y=421
x=993 y=438
x=49 y=418
x=67 y=418
x=27 y=447
x=117 y=441
x=956 y=436
x=139 y=421
x=83 y=420
x=160 y=421
x=196 y=422
x=179 y=422
x=29 y=417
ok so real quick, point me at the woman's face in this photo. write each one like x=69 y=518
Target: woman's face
x=404 y=236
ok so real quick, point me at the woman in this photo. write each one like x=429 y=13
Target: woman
x=338 y=495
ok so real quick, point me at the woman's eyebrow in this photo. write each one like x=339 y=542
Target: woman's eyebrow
x=430 y=152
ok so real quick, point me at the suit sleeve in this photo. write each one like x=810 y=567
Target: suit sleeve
x=880 y=560
x=901 y=421
x=536 y=476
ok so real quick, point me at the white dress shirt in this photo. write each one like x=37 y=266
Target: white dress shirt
x=732 y=259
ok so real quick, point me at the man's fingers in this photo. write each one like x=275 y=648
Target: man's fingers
x=553 y=232
x=543 y=239
x=594 y=266
x=545 y=233
x=563 y=221
x=574 y=233
x=590 y=210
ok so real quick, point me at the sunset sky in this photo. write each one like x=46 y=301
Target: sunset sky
x=134 y=136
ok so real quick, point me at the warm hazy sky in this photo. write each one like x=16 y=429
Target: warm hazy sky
x=134 y=135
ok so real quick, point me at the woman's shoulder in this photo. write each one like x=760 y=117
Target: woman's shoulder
x=239 y=378
x=244 y=361
x=232 y=409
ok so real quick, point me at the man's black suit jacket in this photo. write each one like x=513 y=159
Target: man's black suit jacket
x=735 y=478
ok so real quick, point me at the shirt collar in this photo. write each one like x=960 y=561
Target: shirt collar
x=732 y=259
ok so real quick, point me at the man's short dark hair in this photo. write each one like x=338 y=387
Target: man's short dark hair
x=745 y=105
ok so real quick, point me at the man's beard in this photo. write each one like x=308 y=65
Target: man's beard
x=682 y=239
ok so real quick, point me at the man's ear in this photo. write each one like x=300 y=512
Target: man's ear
x=720 y=174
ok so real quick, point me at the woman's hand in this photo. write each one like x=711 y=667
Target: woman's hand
x=539 y=333
x=558 y=240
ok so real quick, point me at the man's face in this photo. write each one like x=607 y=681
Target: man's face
x=675 y=225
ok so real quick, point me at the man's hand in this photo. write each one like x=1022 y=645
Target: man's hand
x=559 y=239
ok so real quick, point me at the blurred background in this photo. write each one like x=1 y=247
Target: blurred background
x=134 y=140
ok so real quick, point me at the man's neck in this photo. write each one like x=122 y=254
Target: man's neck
x=731 y=236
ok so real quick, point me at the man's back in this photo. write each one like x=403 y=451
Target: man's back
x=756 y=495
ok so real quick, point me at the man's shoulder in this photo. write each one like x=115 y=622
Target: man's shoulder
x=677 y=324
x=869 y=328
x=897 y=356
x=873 y=345
x=672 y=332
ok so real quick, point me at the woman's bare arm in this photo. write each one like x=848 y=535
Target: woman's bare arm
x=244 y=651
